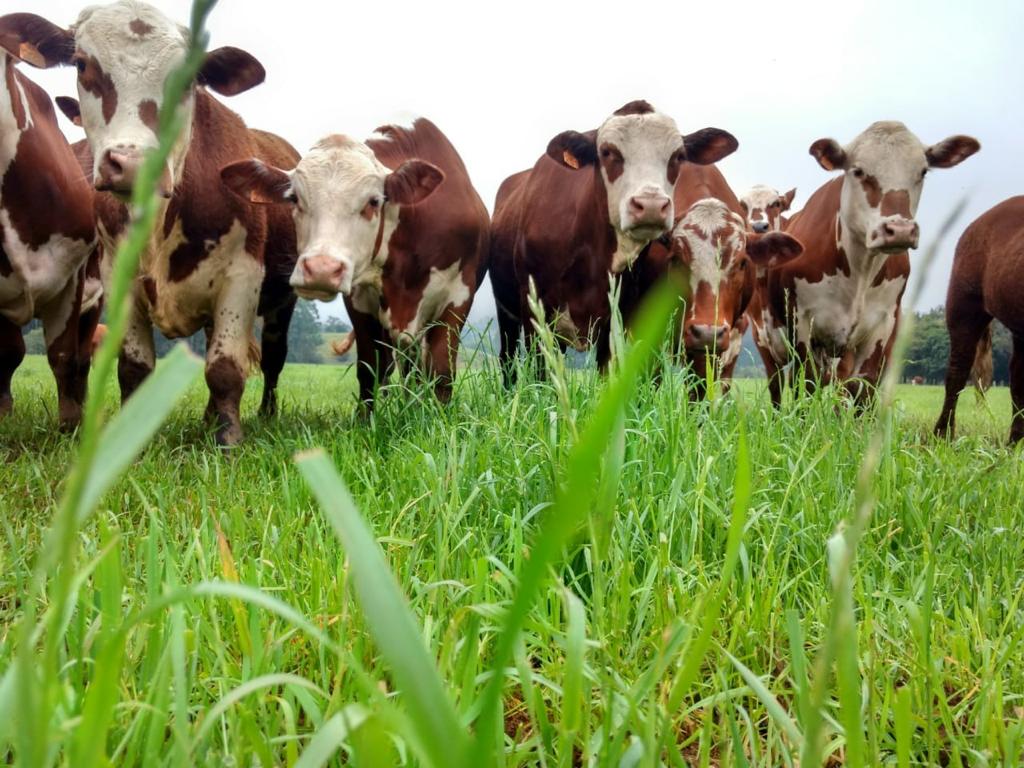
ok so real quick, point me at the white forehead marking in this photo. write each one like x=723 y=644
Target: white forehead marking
x=106 y=32
x=710 y=218
x=338 y=166
x=653 y=129
x=888 y=151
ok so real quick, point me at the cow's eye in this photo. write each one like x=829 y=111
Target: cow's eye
x=774 y=205
x=374 y=202
x=606 y=153
x=858 y=173
x=80 y=66
x=924 y=173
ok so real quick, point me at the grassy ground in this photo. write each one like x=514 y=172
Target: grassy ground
x=454 y=495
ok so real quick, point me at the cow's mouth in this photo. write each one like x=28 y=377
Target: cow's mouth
x=312 y=294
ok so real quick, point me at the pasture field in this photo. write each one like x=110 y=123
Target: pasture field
x=454 y=495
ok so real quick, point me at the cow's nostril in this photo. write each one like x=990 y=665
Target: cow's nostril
x=665 y=207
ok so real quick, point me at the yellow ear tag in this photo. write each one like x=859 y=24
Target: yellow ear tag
x=570 y=159
x=30 y=54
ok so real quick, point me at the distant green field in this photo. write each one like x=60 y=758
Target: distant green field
x=454 y=496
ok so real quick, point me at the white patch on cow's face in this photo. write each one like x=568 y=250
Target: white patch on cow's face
x=710 y=239
x=885 y=163
x=335 y=188
x=763 y=203
x=125 y=53
x=645 y=145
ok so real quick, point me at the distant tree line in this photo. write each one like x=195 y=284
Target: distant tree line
x=928 y=352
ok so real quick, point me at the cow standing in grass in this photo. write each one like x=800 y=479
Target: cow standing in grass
x=716 y=261
x=47 y=234
x=987 y=283
x=396 y=227
x=205 y=263
x=834 y=311
x=587 y=209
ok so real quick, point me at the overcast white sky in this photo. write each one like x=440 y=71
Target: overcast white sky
x=502 y=79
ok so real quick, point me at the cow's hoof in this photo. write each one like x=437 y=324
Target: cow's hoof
x=230 y=436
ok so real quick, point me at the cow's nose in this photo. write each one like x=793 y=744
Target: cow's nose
x=700 y=336
x=118 y=169
x=650 y=209
x=896 y=234
x=760 y=226
x=323 y=273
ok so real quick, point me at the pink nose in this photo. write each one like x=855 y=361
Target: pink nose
x=699 y=336
x=650 y=210
x=118 y=169
x=322 y=273
x=894 y=234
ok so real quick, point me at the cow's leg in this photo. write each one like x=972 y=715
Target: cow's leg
x=963 y=345
x=61 y=319
x=374 y=356
x=138 y=353
x=1017 y=389
x=229 y=352
x=274 y=351
x=443 y=349
x=12 y=352
x=509 y=329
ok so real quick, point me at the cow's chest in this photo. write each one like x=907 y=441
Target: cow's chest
x=845 y=312
x=180 y=305
x=421 y=307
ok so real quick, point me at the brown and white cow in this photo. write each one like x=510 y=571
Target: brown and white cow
x=715 y=259
x=47 y=234
x=587 y=209
x=834 y=311
x=204 y=267
x=393 y=224
x=763 y=208
x=987 y=283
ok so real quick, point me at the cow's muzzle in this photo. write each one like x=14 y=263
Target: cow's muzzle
x=895 y=234
x=118 y=169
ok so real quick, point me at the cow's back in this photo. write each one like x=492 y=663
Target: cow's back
x=504 y=231
x=451 y=224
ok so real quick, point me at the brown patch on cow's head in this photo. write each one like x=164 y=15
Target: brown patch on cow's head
x=140 y=28
x=896 y=203
x=872 y=189
x=149 y=113
x=612 y=161
x=638 y=107
x=92 y=79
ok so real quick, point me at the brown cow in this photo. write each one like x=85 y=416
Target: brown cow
x=763 y=208
x=835 y=310
x=394 y=225
x=987 y=283
x=716 y=259
x=204 y=268
x=587 y=208
x=47 y=234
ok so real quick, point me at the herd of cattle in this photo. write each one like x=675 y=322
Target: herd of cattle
x=395 y=226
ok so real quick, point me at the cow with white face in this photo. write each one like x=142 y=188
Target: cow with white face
x=763 y=208
x=395 y=226
x=567 y=224
x=838 y=305
x=719 y=258
x=204 y=265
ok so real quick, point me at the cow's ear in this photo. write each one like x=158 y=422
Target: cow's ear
x=412 y=182
x=772 y=249
x=951 y=151
x=573 y=149
x=709 y=145
x=71 y=109
x=256 y=182
x=35 y=40
x=787 y=199
x=829 y=153
x=231 y=71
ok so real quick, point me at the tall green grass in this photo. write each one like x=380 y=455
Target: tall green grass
x=574 y=571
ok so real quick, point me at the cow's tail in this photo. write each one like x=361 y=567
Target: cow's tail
x=255 y=355
x=981 y=371
x=343 y=345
